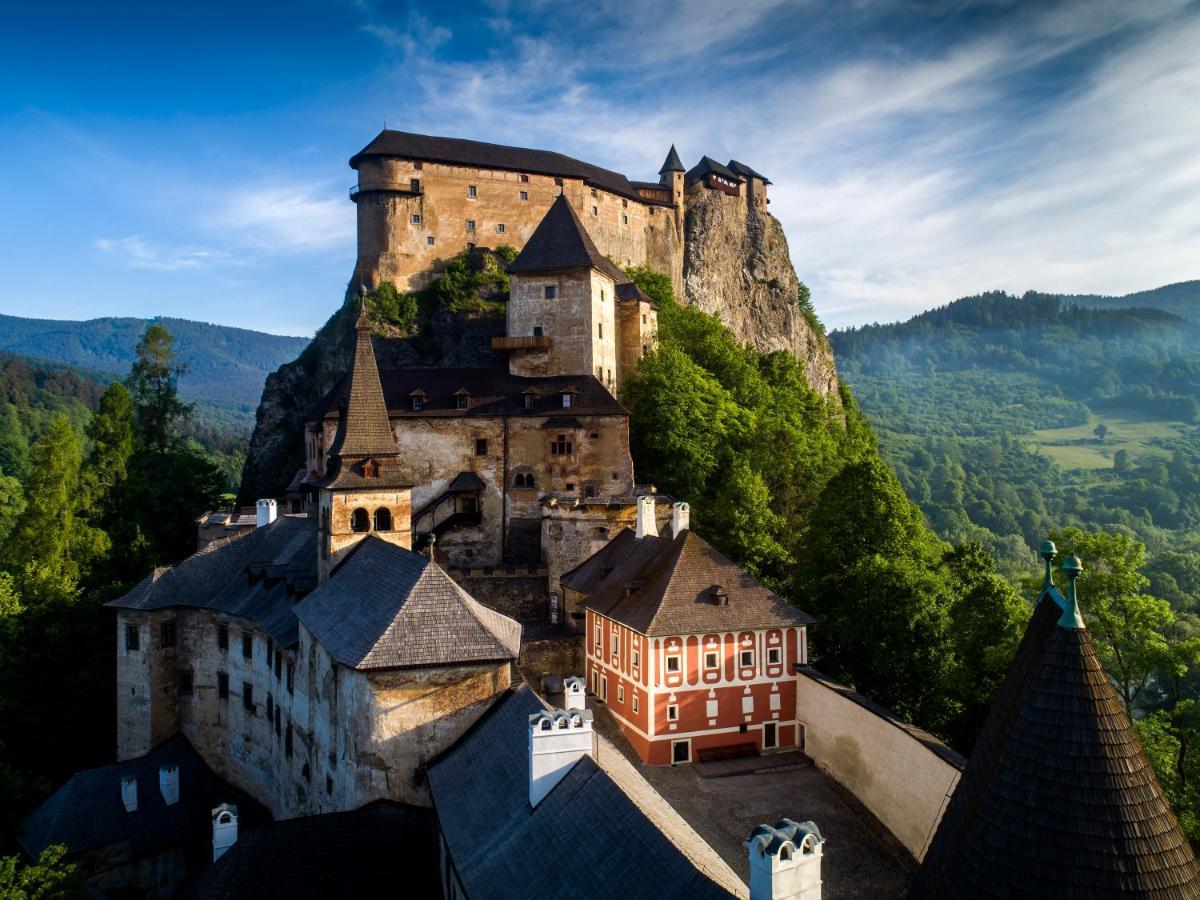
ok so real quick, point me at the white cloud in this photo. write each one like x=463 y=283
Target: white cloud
x=285 y=217
x=140 y=254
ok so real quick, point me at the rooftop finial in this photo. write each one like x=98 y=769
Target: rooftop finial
x=362 y=324
x=1047 y=552
x=1071 y=618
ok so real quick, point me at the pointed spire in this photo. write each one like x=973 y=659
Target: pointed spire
x=1047 y=552
x=1070 y=617
x=364 y=430
x=672 y=163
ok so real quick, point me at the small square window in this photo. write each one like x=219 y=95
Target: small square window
x=524 y=195
x=710 y=659
x=418 y=165
x=247 y=645
x=773 y=656
x=414 y=185
x=673 y=663
x=551 y=292
x=593 y=192
x=184 y=680
x=525 y=179
x=558 y=181
x=470 y=224
x=481 y=446
x=538 y=330
x=223 y=685
x=132 y=637
x=500 y=228
x=570 y=485
x=415 y=219
x=222 y=636
x=673 y=712
x=429 y=240
x=620 y=693
x=166 y=635
x=471 y=192
x=746 y=658
x=248 y=696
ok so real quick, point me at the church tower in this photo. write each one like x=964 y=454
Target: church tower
x=365 y=490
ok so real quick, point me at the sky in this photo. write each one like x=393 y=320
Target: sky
x=190 y=159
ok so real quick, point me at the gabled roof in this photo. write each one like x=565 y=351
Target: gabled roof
x=1058 y=799
x=672 y=163
x=586 y=838
x=740 y=168
x=386 y=608
x=257 y=575
x=708 y=164
x=630 y=291
x=662 y=586
x=87 y=812
x=561 y=242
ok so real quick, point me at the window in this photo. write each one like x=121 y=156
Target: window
x=287 y=740
x=418 y=165
x=500 y=228
x=278 y=721
x=600 y=330
x=223 y=685
x=383 y=519
x=166 y=635
x=470 y=224
x=471 y=192
x=461 y=401
x=329 y=785
x=222 y=636
x=270 y=707
x=673 y=712
x=561 y=446
x=360 y=520
x=748 y=704
x=291 y=678
x=597 y=635
x=710 y=659
x=595 y=211
x=524 y=195
x=551 y=291
x=524 y=480
x=589 y=490
x=643 y=318
x=415 y=218
x=746 y=658
x=183 y=679
x=570 y=485
x=270 y=654
x=538 y=330
x=558 y=181
x=624 y=219
x=525 y=179
x=132 y=637
x=711 y=709
x=418 y=402
x=414 y=185
x=620 y=693
x=481 y=446
x=772 y=656
x=636 y=705
x=278 y=665
x=248 y=696
x=673 y=663
x=616 y=646
x=429 y=240
x=529 y=401
x=247 y=645
x=637 y=659
x=567 y=399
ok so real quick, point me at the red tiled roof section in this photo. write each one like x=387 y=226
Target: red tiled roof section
x=659 y=586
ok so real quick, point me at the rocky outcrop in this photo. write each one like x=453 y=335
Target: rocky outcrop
x=736 y=265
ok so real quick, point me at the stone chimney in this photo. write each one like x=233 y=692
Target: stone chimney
x=574 y=692
x=267 y=511
x=557 y=740
x=785 y=861
x=646 y=525
x=168 y=783
x=681 y=515
x=225 y=829
x=129 y=792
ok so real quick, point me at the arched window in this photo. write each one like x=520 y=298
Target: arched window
x=785 y=852
x=360 y=520
x=383 y=519
x=524 y=480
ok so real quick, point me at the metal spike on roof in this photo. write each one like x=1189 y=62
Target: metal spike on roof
x=672 y=163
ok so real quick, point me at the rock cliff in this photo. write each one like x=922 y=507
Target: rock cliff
x=736 y=265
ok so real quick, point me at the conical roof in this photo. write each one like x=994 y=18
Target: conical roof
x=561 y=242
x=672 y=163
x=1058 y=799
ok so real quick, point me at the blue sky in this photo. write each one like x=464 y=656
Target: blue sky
x=190 y=159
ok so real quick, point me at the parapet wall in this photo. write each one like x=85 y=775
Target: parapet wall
x=903 y=775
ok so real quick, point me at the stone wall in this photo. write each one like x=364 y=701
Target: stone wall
x=522 y=597
x=559 y=655
x=901 y=774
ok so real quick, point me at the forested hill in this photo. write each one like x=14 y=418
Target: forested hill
x=226 y=367
x=1007 y=416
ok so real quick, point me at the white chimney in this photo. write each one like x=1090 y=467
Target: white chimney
x=267 y=511
x=129 y=792
x=574 y=692
x=168 y=783
x=681 y=515
x=645 y=517
x=557 y=740
x=225 y=829
x=785 y=861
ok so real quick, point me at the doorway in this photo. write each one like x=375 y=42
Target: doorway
x=681 y=752
x=770 y=735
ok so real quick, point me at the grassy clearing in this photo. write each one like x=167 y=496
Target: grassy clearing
x=1076 y=447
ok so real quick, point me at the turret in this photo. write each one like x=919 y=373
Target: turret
x=671 y=175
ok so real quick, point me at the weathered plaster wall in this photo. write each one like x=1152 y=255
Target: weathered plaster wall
x=336 y=509
x=885 y=765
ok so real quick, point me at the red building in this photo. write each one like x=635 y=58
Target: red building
x=694 y=658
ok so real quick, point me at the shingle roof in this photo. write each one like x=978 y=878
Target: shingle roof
x=740 y=168
x=87 y=812
x=281 y=558
x=586 y=838
x=672 y=163
x=345 y=854
x=630 y=291
x=561 y=242
x=1058 y=799
x=457 y=151
x=494 y=392
x=661 y=586
x=386 y=607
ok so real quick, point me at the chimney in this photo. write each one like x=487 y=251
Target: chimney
x=129 y=792
x=574 y=692
x=267 y=511
x=225 y=829
x=557 y=740
x=785 y=861
x=168 y=783
x=681 y=515
x=645 y=517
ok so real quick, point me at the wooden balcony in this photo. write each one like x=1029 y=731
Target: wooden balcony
x=522 y=342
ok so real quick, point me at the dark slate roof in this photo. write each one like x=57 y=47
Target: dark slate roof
x=672 y=163
x=345 y=854
x=1058 y=799
x=386 y=608
x=708 y=164
x=258 y=575
x=494 y=392
x=465 y=482
x=87 y=813
x=456 y=151
x=586 y=838
x=630 y=291
x=740 y=168
x=561 y=242
x=661 y=586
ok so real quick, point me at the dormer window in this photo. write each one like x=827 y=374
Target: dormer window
x=418 y=398
x=530 y=399
x=568 y=399
x=719 y=595
x=462 y=399
x=370 y=468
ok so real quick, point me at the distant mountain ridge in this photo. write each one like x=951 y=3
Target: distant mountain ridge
x=225 y=366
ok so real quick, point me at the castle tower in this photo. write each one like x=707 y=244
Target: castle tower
x=364 y=490
x=671 y=175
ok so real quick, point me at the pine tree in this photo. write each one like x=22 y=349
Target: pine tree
x=46 y=531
